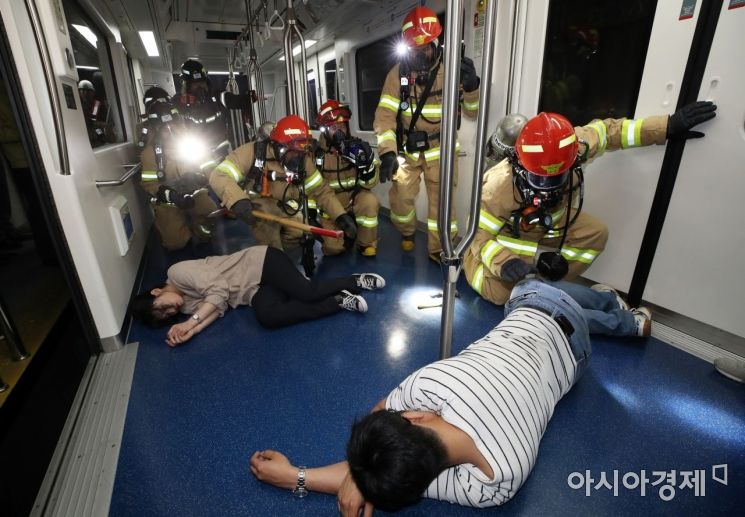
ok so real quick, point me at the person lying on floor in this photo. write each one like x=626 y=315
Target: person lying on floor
x=260 y=276
x=464 y=429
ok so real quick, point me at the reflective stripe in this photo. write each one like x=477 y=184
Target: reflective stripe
x=345 y=183
x=207 y=164
x=367 y=222
x=471 y=106
x=205 y=229
x=432 y=154
x=477 y=282
x=600 y=129
x=567 y=141
x=552 y=234
x=556 y=216
x=387 y=136
x=631 y=133
x=402 y=219
x=532 y=148
x=312 y=203
x=432 y=225
x=488 y=251
x=230 y=168
x=489 y=223
x=579 y=255
x=389 y=102
x=407 y=25
x=149 y=175
x=518 y=246
x=429 y=110
x=313 y=181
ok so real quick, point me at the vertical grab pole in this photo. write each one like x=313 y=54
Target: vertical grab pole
x=452 y=258
x=292 y=109
x=292 y=26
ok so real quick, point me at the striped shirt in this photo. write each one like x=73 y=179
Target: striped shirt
x=501 y=391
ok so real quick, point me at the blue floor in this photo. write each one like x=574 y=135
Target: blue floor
x=198 y=412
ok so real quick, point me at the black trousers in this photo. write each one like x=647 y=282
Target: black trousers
x=286 y=297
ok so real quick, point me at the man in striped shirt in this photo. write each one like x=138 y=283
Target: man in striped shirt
x=464 y=429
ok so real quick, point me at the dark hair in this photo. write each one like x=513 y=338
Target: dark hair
x=393 y=461
x=142 y=309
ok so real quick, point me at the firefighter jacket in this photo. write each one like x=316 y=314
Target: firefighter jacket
x=340 y=173
x=494 y=243
x=226 y=180
x=386 y=114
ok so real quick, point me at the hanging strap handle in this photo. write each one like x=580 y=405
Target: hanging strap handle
x=273 y=20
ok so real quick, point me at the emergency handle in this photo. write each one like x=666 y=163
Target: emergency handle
x=132 y=169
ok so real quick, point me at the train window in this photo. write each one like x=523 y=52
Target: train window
x=96 y=85
x=329 y=70
x=312 y=99
x=373 y=63
x=594 y=58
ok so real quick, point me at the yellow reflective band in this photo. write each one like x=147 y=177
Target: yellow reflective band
x=518 y=246
x=532 y=148
x=429 y=110
x=386 y=136
x=230 y=168
x=149 y=176
x=432 y=225
x=429 y=19
x=586 y=256
x=313 y=181
x=402 y=219
x=471 y=106
x=432 y=154
x=312 y=203
x=207 y=164
x=601 y=130
x=489 y=223
x=367 y=222
x=556 y=216
x=477 y=282
x=552 y=234
x=407 y=25
x=388 y=102
x=567 y=141
x=631 y=132
x=488 y=251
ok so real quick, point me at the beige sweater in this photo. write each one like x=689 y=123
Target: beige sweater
x=221 y=280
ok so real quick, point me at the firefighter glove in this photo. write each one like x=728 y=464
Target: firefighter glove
x=680 y=122
x=347 y=225
x=168 y=195
x=552 y=265
x=515 y=270
x=388 y=166
x=468 y=77
x=243 y=209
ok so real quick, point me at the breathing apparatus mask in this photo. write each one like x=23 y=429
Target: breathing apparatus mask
x=421 y=60
x=293 y=156
x=360 y=154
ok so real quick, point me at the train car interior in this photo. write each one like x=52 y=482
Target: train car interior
x=148 y=145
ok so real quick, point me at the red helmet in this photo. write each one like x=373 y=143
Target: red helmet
x=546 y=148
x=333 y=112
x=421 y=26
x=292 y=132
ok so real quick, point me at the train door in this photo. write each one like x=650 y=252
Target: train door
x=597 y=59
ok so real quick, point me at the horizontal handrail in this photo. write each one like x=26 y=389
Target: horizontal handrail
x=132 y=169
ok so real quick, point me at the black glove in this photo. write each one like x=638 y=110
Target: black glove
x=243 y=209
x=515 y=270
x=388 y=166
x=347 y=225
x=468 y=77
x=688 y=116
x=171 y=195
x=552 y=265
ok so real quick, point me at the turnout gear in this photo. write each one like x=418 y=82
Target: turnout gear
x=502 y=237
x=388 y=166
x=169 y=195
x=333 y=119
x=468 y=77
x=688 y=116
x=515 y=270
x=243 y=210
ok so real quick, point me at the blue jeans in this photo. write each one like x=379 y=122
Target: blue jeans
x=600 y=309
x=557 y=303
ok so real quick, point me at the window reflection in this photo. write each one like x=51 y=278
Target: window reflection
x=95 y=85
x=594 y=57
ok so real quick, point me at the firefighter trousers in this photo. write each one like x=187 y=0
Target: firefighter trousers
x=403 y=195
x=585 y=240
x=176 y=226
x=364 y=207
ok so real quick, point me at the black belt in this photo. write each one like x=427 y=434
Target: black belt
x=564 y=323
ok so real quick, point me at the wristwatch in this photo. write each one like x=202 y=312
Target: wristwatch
x=300 y=491
x=195 y=317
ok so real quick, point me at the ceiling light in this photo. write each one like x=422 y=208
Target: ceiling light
x=148 y=40
x=296 y=50
x=87 y=34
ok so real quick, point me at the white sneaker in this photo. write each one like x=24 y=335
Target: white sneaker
x=608 y=289
x=731 y=368
x=643 y=319
x=352 y=302
x=369 y=281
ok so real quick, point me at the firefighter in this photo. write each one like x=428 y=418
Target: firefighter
x=407 y=122
x=534 y=196
x=348 y=166
x=96 y=113
x=170 y=174
x=278 y=167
